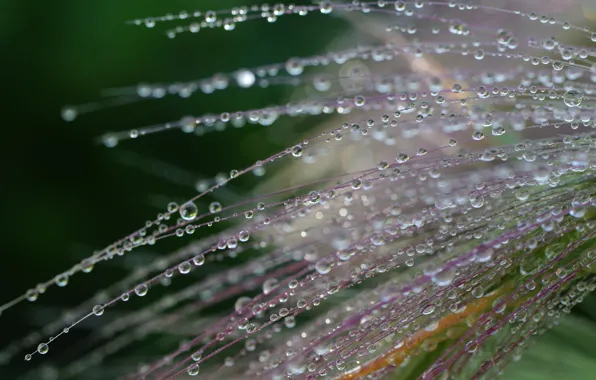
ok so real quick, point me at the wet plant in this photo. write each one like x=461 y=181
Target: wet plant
x=439 y=219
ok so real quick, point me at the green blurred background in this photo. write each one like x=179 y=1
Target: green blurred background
x=64 y=195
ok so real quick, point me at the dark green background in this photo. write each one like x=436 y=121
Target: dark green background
x=63 y=194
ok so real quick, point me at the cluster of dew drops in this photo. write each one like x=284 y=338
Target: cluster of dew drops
x=408 y=212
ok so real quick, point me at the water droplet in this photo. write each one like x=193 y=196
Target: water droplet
x=243 y=236
x=297 y=151
x=269 y=285
x=184 y=268
x=61 y=280
x=428 y=309
x=522 y=194
x=294 y=67
x=141 y=290
x=444 y=277
x=215 y=207
x=483 y=255
x=189 y=211
x=573 y=98
x=172 y=207
x=290 y=321
x=196 y=356
x=109 y=140
x=323 y=267
x=477 y=202
x=98 y=310
x=198 y=260
x=456 y=88
x=401 y=158
x=359 y=101
x=43 y=348
x=241 y=304
x=69 y=113
x=210 y=16
x=193 y=369
x=471 y=346
x=326 y=7
x=31 y=295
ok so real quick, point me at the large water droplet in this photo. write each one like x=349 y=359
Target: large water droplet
x=43 y=348
x=573 y=98
x=189 y=211
x=323 y=267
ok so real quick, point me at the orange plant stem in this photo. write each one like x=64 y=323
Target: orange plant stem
x=397 y=355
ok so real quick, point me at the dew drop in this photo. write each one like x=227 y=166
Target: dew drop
x=193 y=369
x=172 y=207
x=109 y=140
x=477 y=202
x=61 y=280
x=401 y=158
x=141 y=290
x=573 y=98
x=43 y=348
x=484 y=255
x=184 y=268
x=294 y=67
x=444 y=277
x=241 y=304
x=323 y=267
x=98 y=310
x=359 y=101
x=471 y=346
x=69 y=113
x=215 y=207
x=189 y=211
x=31 y=295
x=210 y=16
x=269 y=285
x=196 y=356
x=477 y=135
x=198 y=260
x=326 y=7
x=522 y=195
x=297 y=151
x=456 y=88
